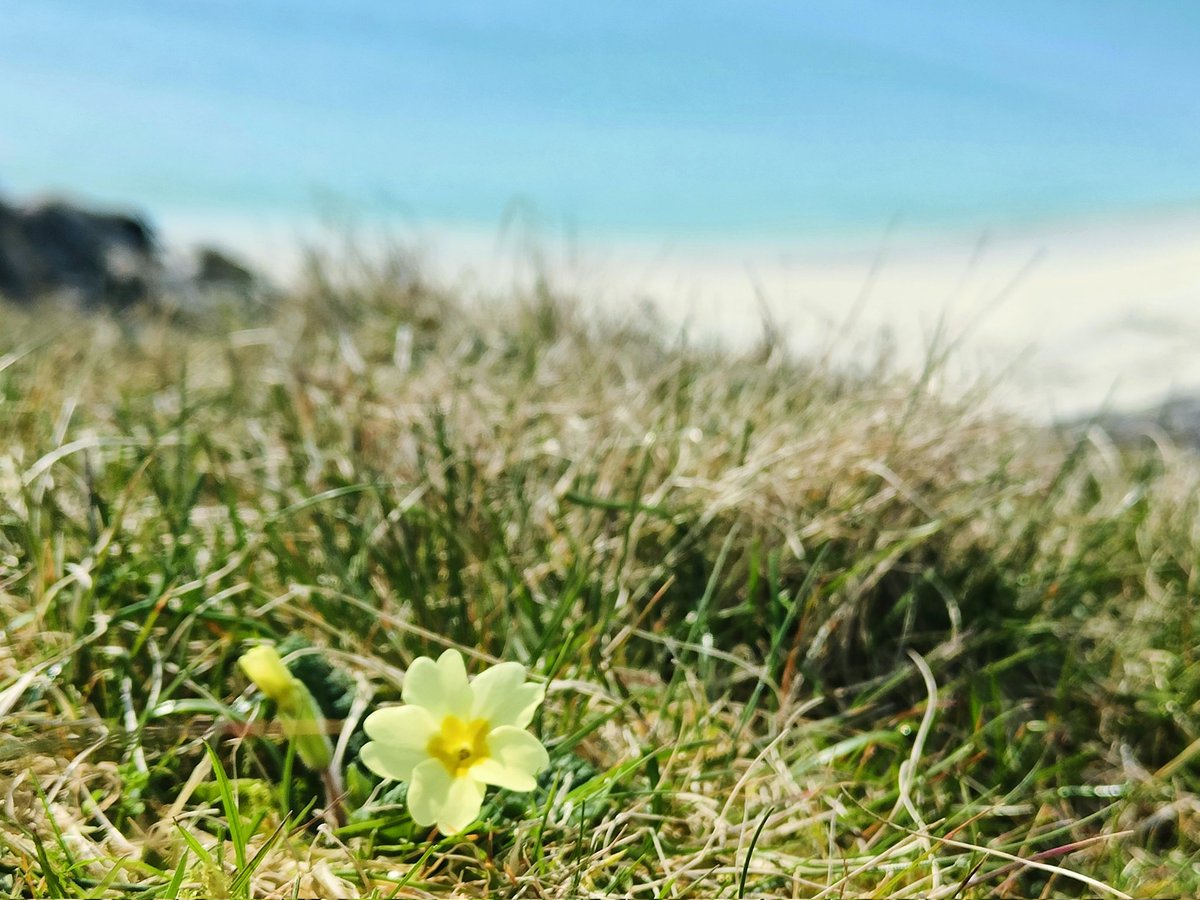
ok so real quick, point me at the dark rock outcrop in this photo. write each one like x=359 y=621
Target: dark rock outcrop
x=96 y=258
x=111 y=260
x=215 y=268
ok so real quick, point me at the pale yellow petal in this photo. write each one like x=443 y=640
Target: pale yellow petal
x=455 y=691
x=502 y=697
x=463 y=802
x=517 y=750
x=401 y=726
x=423 y=686
x=492 y=771
x=440 y=687
x=387 y=761
x=427 y=792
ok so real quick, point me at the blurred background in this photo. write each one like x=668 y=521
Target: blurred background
x=1018 y=180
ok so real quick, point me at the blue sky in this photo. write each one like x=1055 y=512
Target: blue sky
x=616 y=117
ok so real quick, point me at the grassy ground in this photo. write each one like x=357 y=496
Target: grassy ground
x=805 y=633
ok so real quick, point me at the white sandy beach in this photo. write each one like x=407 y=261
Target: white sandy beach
x=1073 y=316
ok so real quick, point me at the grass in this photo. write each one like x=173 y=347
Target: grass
x=805 y=633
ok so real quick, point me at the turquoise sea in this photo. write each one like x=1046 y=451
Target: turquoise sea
x=609 y=118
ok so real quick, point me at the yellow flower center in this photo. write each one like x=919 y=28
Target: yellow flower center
x=459 y=745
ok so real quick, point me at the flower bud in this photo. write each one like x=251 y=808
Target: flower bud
x=297 y=711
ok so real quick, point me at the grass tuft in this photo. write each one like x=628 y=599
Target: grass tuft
x=805 y=632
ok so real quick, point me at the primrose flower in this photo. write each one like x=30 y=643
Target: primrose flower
x=453 y=738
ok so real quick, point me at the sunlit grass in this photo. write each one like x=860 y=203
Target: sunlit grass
x=804 y=632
